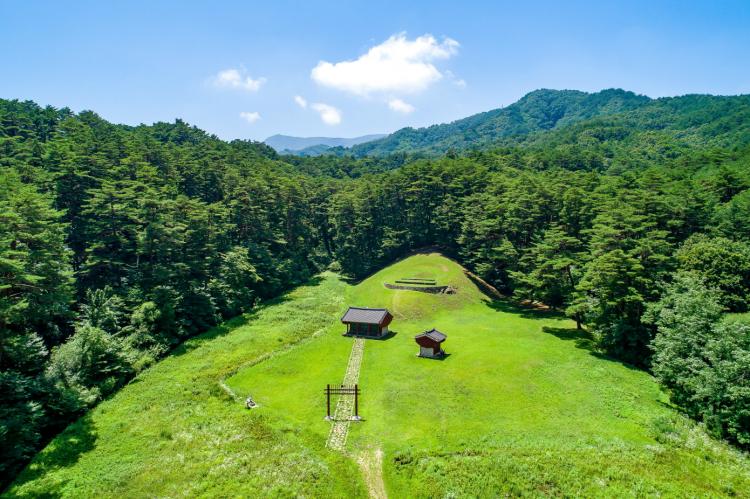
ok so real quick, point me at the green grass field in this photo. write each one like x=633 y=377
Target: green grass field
x=174 y=432
x=521 y=406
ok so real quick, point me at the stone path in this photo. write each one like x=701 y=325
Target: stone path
x=344 y=411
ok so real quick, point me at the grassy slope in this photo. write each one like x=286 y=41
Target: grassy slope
x=520 y=406
x=175 y=432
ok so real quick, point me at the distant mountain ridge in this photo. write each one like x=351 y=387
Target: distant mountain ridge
x=556 y=118
x=537 y=111
x=291 y=144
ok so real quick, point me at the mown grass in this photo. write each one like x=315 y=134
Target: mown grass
x=522 y=406
x=175 y=432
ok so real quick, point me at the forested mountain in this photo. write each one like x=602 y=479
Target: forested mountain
x=537 y=111
x=295 y=145
x=316 y=150
x=117 y=243
x=575 y=119
x=673 y=126
x=661 y=130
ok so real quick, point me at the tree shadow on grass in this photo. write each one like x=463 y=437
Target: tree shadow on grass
x=65 y=451
x=585 y=341
x=527 y=312
x=217 y=331
x=312 y=282
x=580 y=337
x=671 y=405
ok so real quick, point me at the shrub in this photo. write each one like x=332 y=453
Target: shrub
x=703 y=361
x=90 y=365
x=723 y=264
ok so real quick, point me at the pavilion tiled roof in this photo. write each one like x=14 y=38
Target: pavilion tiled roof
x=365 y=315
x=433 y=334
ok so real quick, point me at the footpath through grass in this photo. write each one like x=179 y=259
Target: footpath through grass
x=521 y=407
x=174 y=432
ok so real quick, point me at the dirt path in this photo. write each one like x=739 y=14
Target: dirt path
x=345 y=405
x=371 y=464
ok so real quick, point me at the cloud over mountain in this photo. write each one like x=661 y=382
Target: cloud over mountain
x=398 y=65
x=400 y=106
x=328 y=114
x=250 y=117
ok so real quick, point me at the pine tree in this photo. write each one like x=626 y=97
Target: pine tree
x=629 y=257
x=549 y=269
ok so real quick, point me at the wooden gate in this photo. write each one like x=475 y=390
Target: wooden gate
x=345 y=390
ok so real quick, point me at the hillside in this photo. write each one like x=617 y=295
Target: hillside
x=688 y=122
x=120 y=243
x=520 y=406
x=547 y=118
x=174 y=431
x=537 y=111
x=293 y=145
x=311 y=151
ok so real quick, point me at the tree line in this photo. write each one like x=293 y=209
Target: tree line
x=117 y=243
x=613 y=251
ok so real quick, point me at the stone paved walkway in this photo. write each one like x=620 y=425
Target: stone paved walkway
x=344 y=411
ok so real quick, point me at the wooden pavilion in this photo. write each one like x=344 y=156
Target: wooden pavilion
x=372 y=322
x=430 y=344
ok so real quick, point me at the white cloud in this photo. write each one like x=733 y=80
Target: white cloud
x=250 y=117
x=328 y=114
x=459 y=82
x=400 y=106
x=238 y=79
x=396 y=65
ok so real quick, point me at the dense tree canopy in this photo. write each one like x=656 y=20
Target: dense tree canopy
x=117 y=243
x=702 y=359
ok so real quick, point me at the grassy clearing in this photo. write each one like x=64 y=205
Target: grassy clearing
x=521 y=406
x=175 y=432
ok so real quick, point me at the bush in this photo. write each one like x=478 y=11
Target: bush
x=232 y=289
x=20 y=420
x=90 y=365
x=703 y=361
x=723 y=264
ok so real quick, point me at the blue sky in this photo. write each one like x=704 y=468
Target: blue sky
x=235 y=68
